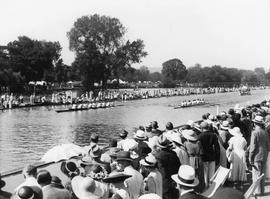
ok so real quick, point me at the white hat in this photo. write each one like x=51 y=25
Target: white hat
x=149 y=161
x=225 y=125
x=150 y=196
x=190 y=135
x=186 y=176
x=86 y=187
x=235 y=131
x=140 y=135
x=258 y=119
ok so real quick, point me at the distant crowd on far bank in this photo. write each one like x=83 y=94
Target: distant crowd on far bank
x=9 y=101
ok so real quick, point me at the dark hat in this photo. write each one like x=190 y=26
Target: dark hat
x=27 y=192
x=69 y=168
x=123 y=133
x=169 y=126
x=43 y=177
x=2 y=183
x=224 y=193
x=115 y=177
x=154 y=124
x=163 y=142
x=123 y=155
x=56 y=180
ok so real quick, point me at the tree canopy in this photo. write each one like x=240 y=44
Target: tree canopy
x=101 y=49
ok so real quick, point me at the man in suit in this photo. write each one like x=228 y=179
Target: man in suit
x=44 y=178
x=168 y=164
x=186 y=180
x=258 y=151
x=211 y=151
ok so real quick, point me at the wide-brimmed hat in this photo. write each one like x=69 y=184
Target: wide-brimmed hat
x=186 y=176
x=86 y=187
x=235 y=131
x=140 y=135
x=163 y=142
x=149 y=161
x=225 y=125
x=70 y=168
x=116 y=177
x=258 y=119
x=176 y=138
x=123 y=155
x=190 y=135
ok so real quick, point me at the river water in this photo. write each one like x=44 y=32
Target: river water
x=27 y=133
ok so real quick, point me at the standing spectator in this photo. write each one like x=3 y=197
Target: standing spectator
x=211 y=151
x=126 y=143
x=180 y=149
x=224 y=133
x=258 y=151
x=168 y=164
x=135 y=183
x=142 y=148
x=44 y=178
x=153 y=178
x=195 y=152
x=237 y=157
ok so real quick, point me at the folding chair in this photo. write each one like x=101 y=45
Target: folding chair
x=250 y=192
x=216 y=181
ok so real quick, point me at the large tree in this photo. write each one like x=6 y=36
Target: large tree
x=34 y=59
x=173 y=71
x=101 y=48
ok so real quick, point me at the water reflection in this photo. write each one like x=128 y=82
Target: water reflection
x=26 y=134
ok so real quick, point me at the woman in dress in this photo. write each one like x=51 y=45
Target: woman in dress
x=194 y=150
x=236 y=156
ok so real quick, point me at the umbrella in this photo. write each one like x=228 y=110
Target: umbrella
x=62 y=152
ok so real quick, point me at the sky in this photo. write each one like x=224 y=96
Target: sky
x=230 y=33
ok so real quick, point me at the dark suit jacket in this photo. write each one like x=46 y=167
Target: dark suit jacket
x=50 y=192
x=210 y=146
x=168 y=164
x=259 y=145
x=192 y=195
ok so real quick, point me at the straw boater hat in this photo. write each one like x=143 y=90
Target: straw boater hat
x=140 y=135
x=116 y=177
x=258 y=119
x=163 y=142
x=225 y=125
x=149 y=161
x=235 y=131
x=190 y=135
x=86 y=187
x=186 y=176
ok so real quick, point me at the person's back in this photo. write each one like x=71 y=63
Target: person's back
x=52 y=192
x=210 y=146
x=259 y=145
x=134 y=183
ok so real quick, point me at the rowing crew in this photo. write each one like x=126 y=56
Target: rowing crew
x=93 y=105
x=186 y=103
